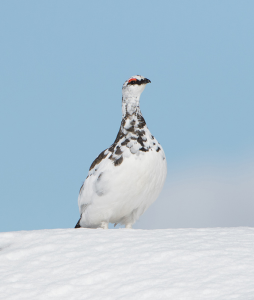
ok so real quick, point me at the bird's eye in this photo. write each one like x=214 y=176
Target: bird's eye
x=132 y=79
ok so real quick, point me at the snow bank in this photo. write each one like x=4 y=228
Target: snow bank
x=127 y=264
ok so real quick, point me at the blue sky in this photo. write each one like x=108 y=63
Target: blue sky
x=62 y=66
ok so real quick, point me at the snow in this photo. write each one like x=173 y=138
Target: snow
x=214 y=263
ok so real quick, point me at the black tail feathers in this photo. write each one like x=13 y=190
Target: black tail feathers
x=78 y=224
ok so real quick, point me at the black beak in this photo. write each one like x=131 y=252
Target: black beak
x=146 y=80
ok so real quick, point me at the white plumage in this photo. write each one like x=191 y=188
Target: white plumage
x=125 y=179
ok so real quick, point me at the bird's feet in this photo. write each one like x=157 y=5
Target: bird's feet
x=104 y=225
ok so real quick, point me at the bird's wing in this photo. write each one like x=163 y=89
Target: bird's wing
x=96 y=182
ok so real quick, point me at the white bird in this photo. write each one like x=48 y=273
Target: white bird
x=125 y=179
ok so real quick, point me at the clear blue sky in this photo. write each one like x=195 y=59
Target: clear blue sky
x=62 y=66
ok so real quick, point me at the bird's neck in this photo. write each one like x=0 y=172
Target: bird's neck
x=130 y=106
x=132 y=118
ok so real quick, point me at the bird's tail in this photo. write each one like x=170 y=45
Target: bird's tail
x=78 y=224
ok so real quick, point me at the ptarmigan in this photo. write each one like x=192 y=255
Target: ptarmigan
x=125 y=179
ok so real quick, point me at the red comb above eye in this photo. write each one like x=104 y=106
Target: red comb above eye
x=132 y=79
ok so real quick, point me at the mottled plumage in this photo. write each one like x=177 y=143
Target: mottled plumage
x=125 y=179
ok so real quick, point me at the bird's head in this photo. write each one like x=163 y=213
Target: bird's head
x=134 y=86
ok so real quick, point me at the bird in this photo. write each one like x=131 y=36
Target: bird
x=126 y=178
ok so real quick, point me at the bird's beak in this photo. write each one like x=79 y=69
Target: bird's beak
x=147 y=80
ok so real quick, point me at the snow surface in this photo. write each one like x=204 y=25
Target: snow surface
x=215 y=263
